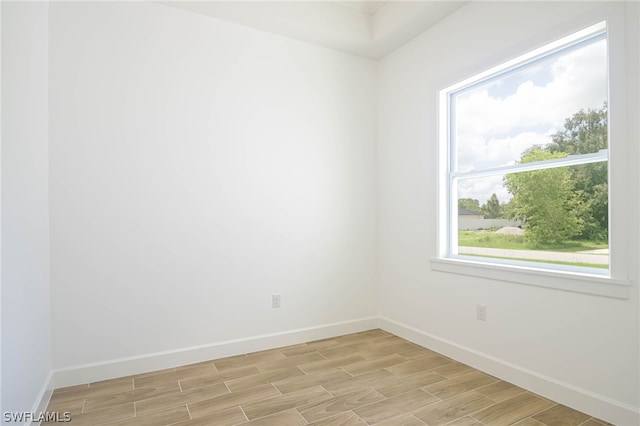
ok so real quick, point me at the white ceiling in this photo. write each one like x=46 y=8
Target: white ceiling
x=371 y=29
x=368 y=7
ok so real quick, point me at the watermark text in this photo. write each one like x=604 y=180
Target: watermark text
x=30 y=416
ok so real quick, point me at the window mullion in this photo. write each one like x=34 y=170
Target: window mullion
x=570 y=160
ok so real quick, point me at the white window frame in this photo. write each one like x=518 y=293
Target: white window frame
x=610 y=283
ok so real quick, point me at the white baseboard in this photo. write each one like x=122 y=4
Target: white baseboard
x=42 y=401
x=580 y=399
x=94 y=372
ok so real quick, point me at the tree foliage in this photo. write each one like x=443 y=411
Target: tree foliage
x=492 y=209
x=470 y=204
x=508 y=210
x=584 y=132
x=587 y=132
x=569 y=202
x=545 y=200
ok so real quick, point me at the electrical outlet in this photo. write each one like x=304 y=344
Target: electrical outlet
x=481 y=312
x=275 y=301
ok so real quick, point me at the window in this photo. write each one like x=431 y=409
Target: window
x=525 y=155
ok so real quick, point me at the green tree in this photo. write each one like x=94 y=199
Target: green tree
x=586 y=132
x=508 y=210
x=470 y=204
x=492 y=209
x=545 y=200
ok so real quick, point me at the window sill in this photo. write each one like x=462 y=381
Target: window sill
x=558 y=280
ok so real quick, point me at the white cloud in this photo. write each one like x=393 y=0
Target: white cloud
x=494 y=131
x=481 y=189
x=482 y=153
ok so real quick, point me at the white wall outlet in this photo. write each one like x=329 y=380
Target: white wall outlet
x=275 y=301
x=481 y=312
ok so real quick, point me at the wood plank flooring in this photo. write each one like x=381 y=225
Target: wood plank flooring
x=364 y=378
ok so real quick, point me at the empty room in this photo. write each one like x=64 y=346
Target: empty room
x=320 y=213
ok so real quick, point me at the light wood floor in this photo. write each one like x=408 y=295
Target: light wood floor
x=371 y=377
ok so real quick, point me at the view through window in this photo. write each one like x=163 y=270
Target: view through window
x=528 y=155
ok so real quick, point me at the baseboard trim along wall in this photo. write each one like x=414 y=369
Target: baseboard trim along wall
x=41 y=402
x=157 y=361
x=580 y=399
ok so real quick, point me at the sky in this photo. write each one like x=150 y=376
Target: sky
x=498 y=120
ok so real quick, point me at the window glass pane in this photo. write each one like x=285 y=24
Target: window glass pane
x=495 y=121
x=557 y=216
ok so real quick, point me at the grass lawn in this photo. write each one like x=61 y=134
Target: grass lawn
x=490 y=239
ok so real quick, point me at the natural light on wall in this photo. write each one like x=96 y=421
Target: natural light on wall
x=525 y=178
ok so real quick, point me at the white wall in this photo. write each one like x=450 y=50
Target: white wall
x=25 y=211
x=197 y=168
x=582 y=343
